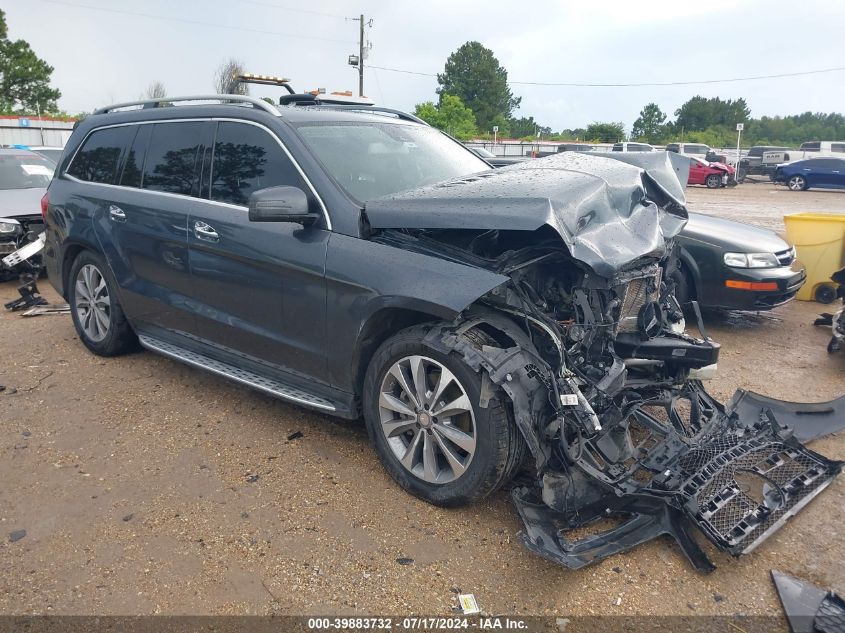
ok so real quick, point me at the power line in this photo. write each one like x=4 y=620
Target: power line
x=633 y=85
x=294 y=10
x=194 y=22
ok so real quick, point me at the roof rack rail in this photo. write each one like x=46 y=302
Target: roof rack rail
x=158 y=103
x=367 y=108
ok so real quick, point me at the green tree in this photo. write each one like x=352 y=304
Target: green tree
x=450 y=115
x=526 y=126
x=700 y=113
x=474 y=74
x=24 y=77
x=650 y=126
x=605 y=132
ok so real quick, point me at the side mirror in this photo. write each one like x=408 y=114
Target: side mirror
x=280 y=204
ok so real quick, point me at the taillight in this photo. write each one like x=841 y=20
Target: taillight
x=45 y=202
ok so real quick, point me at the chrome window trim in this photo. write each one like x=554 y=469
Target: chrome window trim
x=272 y=134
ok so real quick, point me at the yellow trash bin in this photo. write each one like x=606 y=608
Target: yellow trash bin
x=819 y=239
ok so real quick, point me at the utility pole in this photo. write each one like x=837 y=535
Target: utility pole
x=362 y=50
x=361 y=56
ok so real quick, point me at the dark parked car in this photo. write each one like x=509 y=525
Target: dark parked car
x=497 y=161
x=823 y=172
x=358 y=262
x=24 y=177
x=726 y=264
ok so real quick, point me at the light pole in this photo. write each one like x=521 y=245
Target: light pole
x=739 y=127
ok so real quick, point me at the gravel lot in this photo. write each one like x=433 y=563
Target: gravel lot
x=144 y=486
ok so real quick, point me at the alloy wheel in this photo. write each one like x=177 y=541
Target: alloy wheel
x=92 y=303
x=796 y=183
x=427 y=419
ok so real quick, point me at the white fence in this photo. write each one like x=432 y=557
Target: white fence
x=34 y=131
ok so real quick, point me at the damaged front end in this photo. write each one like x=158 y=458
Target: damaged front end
x=589 y=343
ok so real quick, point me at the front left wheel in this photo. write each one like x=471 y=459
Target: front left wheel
x=713 y=181
x=796 y=183
x=97 y=315
x=423 y=414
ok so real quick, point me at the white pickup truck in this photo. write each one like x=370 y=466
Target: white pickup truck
x=809 y=149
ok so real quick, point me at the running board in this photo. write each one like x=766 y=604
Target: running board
x=243 y=376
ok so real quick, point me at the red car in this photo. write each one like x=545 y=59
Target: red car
x=712 y=175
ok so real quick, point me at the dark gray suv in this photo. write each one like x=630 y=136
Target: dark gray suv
x=358 y=262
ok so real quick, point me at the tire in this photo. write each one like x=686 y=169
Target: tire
x=684 y=286
x=110 y=334
x=825 y=293
x=498 y=449
x=713 y=181
x=796 y=183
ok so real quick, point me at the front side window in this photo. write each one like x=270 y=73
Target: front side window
x=837 y=147
x=375 y=159
x=696 y=149
x=99 y=157
x=172 y=156
x=246 y=159
x=24 y=171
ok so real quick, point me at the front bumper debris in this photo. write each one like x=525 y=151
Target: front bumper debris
x=661 y=464
x=738 y=488
x=809 y=609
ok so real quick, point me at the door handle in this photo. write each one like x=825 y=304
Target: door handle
x=116 y=213
x=205 y=232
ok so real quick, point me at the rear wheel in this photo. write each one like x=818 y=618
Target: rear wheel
x=713 y=181
x=97 y=315
x=424 y=418
x=796 y=183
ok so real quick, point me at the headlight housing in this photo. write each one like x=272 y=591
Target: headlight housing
x=751 y=260
x=9 y=226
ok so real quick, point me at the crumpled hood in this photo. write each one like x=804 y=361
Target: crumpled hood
x=20 y=202
x=609 y=210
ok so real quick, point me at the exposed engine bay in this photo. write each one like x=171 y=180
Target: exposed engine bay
x=605 y=383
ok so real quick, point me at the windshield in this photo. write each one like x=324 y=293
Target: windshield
x=375 y=159
x=24 y=171
x=50 y=153
x=484 y=153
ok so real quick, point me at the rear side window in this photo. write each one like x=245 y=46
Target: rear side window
x=172 y=157
x=247 y=158
x=99 y=157
x=134 y=163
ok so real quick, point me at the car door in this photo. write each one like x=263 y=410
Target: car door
x=141 y=223
x=697 y=173
x=837 y=178
x=259 y=287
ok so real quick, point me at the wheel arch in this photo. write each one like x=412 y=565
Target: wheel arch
x=71 y=250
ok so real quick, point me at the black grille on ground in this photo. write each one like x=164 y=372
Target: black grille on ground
x=734 y=513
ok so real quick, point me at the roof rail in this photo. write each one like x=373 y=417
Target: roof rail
x=367 y=108
x=158 y=103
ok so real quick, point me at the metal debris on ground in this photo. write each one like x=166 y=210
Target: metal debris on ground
x=47 y=308
x=808 y=608
x=29 y=295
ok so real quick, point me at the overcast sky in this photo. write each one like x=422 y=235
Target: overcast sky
x=106 y=51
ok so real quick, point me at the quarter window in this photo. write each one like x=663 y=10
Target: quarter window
x=246 y=159
x=99 y=158
x=172 y=157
